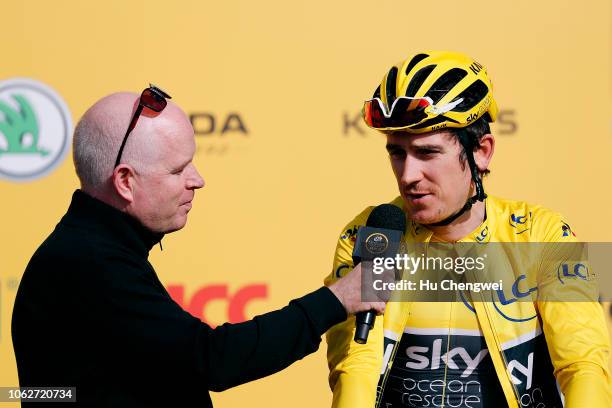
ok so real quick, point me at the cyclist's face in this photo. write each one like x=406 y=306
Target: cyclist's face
x=430 y=177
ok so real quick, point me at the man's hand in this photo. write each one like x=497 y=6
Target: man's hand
x=348 y=291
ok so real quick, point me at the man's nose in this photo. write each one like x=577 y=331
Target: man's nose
x=412 y=172
x=195 y=181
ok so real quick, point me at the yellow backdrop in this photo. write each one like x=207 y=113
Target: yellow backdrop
x=274 y=89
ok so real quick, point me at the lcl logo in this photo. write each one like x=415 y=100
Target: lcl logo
x=236 y=302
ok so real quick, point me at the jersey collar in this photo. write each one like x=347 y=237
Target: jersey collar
x=481 y=234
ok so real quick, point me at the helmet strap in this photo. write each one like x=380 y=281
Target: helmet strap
x=468 y=145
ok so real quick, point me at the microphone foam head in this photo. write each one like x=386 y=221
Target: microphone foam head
x=387 y=216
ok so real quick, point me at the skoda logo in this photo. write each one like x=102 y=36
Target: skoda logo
x=376 y=243
x=35 y=129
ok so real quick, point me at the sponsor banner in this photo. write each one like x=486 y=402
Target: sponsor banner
x=236 y=302
x=273 y=92
x=35 y=129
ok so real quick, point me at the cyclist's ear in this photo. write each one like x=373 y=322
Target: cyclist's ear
x=484 y=152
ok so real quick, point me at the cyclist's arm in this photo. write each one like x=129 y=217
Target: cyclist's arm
x=576 y=335
x=353 y=368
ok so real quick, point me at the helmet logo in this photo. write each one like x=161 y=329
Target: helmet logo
x=476 y=68
x=446 y=108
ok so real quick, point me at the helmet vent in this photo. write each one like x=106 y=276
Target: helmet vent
x=390 y=86
x=472 y=95
x=445 y=83
x=418 y=79
x=376 y=93
x=415 y=60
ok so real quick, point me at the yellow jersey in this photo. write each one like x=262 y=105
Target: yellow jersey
x=532 y=346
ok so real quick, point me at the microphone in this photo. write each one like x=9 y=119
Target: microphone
x=380 y=237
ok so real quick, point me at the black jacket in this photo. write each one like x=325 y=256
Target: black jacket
x=91 y=313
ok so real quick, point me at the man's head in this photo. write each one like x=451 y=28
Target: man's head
x=156 y=178
x=432 y=171
x=435 y=108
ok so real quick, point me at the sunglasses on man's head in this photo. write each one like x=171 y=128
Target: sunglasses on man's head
x=152 y=98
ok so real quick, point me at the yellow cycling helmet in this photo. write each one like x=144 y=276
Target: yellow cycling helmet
x=430 y=91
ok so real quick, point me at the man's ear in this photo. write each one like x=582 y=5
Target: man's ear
x=484 y=153
x=123 y=182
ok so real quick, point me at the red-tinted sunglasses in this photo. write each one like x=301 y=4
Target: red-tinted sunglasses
x=152 y=98
x=404 y=111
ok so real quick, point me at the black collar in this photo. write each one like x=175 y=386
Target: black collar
x=104 y=221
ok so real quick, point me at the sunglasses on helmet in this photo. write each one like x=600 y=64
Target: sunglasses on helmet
x=152 y=98
x=404 y=111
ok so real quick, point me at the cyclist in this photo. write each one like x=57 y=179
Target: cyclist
x=435 y=109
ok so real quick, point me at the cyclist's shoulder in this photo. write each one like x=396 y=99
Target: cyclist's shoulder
x=542 y=222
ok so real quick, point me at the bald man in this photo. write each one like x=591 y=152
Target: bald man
x=90 y=311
